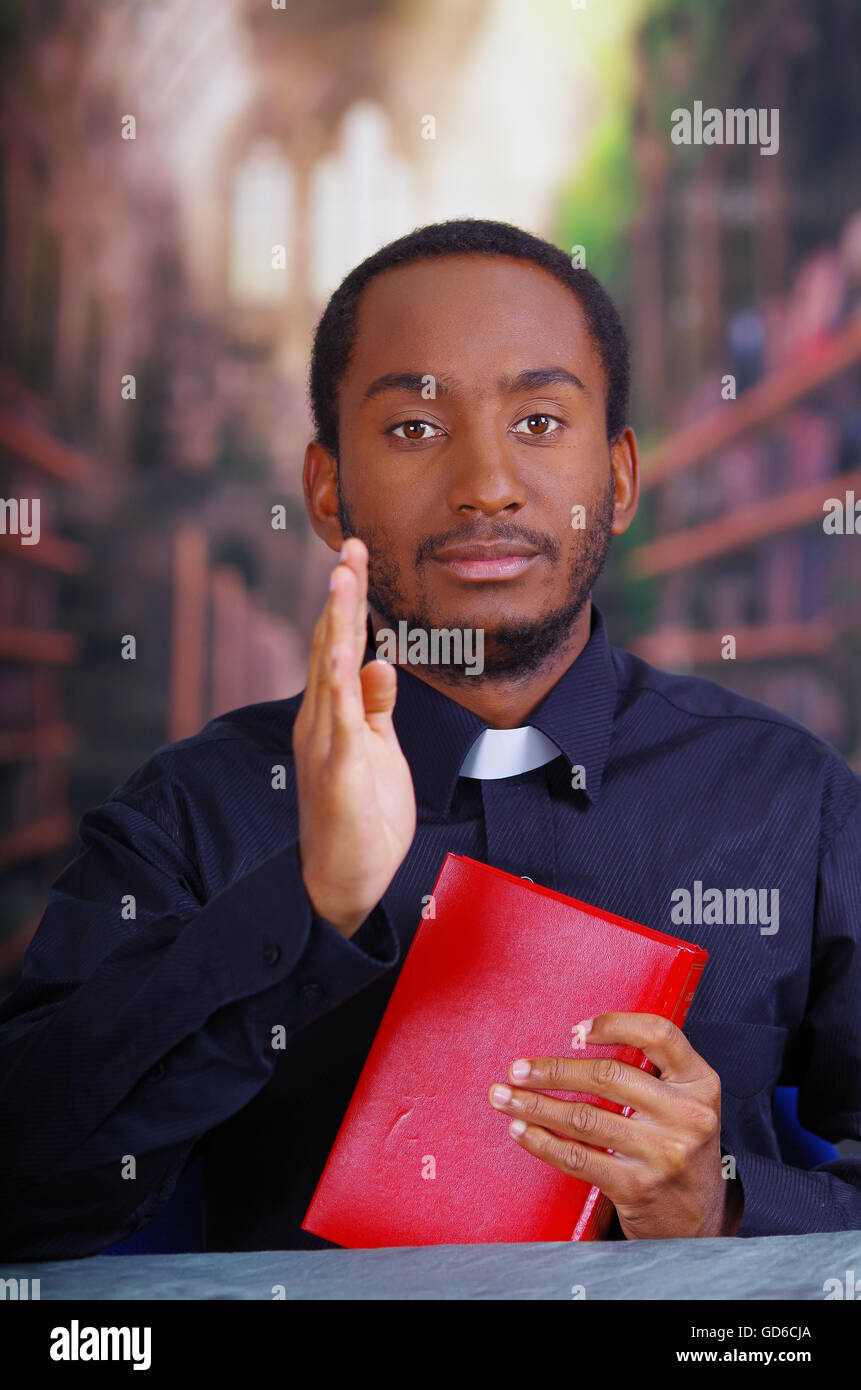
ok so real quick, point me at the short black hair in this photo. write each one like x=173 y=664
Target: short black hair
x=336 y=331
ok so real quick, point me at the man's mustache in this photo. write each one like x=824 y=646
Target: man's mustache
x=542 y=544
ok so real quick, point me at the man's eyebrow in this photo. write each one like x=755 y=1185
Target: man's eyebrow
x=416 y=382
x=408 y=381
x=540 y=376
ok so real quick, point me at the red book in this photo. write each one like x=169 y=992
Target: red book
x=504 y=969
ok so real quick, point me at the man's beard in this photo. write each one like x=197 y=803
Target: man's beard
x=513 y=651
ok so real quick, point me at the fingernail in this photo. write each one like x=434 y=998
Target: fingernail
x=501 y=1094
x=520 y=1068
x=343 y=554
x=332 y=577
x=517 y=1127
x=580 y=1032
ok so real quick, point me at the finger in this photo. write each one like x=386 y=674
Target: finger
x=607 y=1077
x=320 y=656
x=341 y=705
x=358 y=559
x=592 y=1166
x=379 y=684
x=662 y=1041
x=353 y=558
x=315 y=706
x=319 y=685
x=573 y=1119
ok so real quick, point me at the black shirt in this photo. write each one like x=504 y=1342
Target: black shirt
x=179 y=948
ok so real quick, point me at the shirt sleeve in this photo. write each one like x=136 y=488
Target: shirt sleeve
x=779 y=1199
x=143 y=1018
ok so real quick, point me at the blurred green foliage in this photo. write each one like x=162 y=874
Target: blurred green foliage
x=599 y=203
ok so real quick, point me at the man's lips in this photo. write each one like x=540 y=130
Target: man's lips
x=491 y=560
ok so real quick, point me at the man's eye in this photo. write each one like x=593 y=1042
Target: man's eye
x=538 y=424
x=411 y=426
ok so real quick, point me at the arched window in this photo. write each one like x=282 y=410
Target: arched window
x=361 y=197
x=262 y=214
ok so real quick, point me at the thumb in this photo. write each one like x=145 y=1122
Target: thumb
x=379 y=691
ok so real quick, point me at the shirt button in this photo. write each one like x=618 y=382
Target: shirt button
x=157 y=1072
x=271 y=953
x=310 y=994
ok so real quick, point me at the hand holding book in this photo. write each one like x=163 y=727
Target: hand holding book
x=660 y=1164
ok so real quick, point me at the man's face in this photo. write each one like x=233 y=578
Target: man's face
x=493 y=455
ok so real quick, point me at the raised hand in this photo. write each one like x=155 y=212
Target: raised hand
x=357 y=805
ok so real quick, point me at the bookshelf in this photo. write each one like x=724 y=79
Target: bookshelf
x=822 y=358
x=37 y=736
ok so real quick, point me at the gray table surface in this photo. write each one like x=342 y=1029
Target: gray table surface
x=765 y=1267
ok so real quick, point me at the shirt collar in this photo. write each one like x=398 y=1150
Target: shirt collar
x=436 y=733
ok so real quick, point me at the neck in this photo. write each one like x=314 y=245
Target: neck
x=508 y=702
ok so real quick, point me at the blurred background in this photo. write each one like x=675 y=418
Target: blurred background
x=153 y=358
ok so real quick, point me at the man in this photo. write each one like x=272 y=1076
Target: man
x=469 y=390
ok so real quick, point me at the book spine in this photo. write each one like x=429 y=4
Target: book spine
x=595 y=1216
x=686 y=994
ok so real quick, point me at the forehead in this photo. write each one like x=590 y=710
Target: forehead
x=475 y=317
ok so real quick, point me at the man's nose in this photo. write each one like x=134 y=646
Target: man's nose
x=484 y=475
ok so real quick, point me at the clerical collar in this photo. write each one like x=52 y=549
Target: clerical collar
x=505 y=752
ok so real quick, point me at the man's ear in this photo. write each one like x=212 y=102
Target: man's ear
x=320 y=486
x=625 y=463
